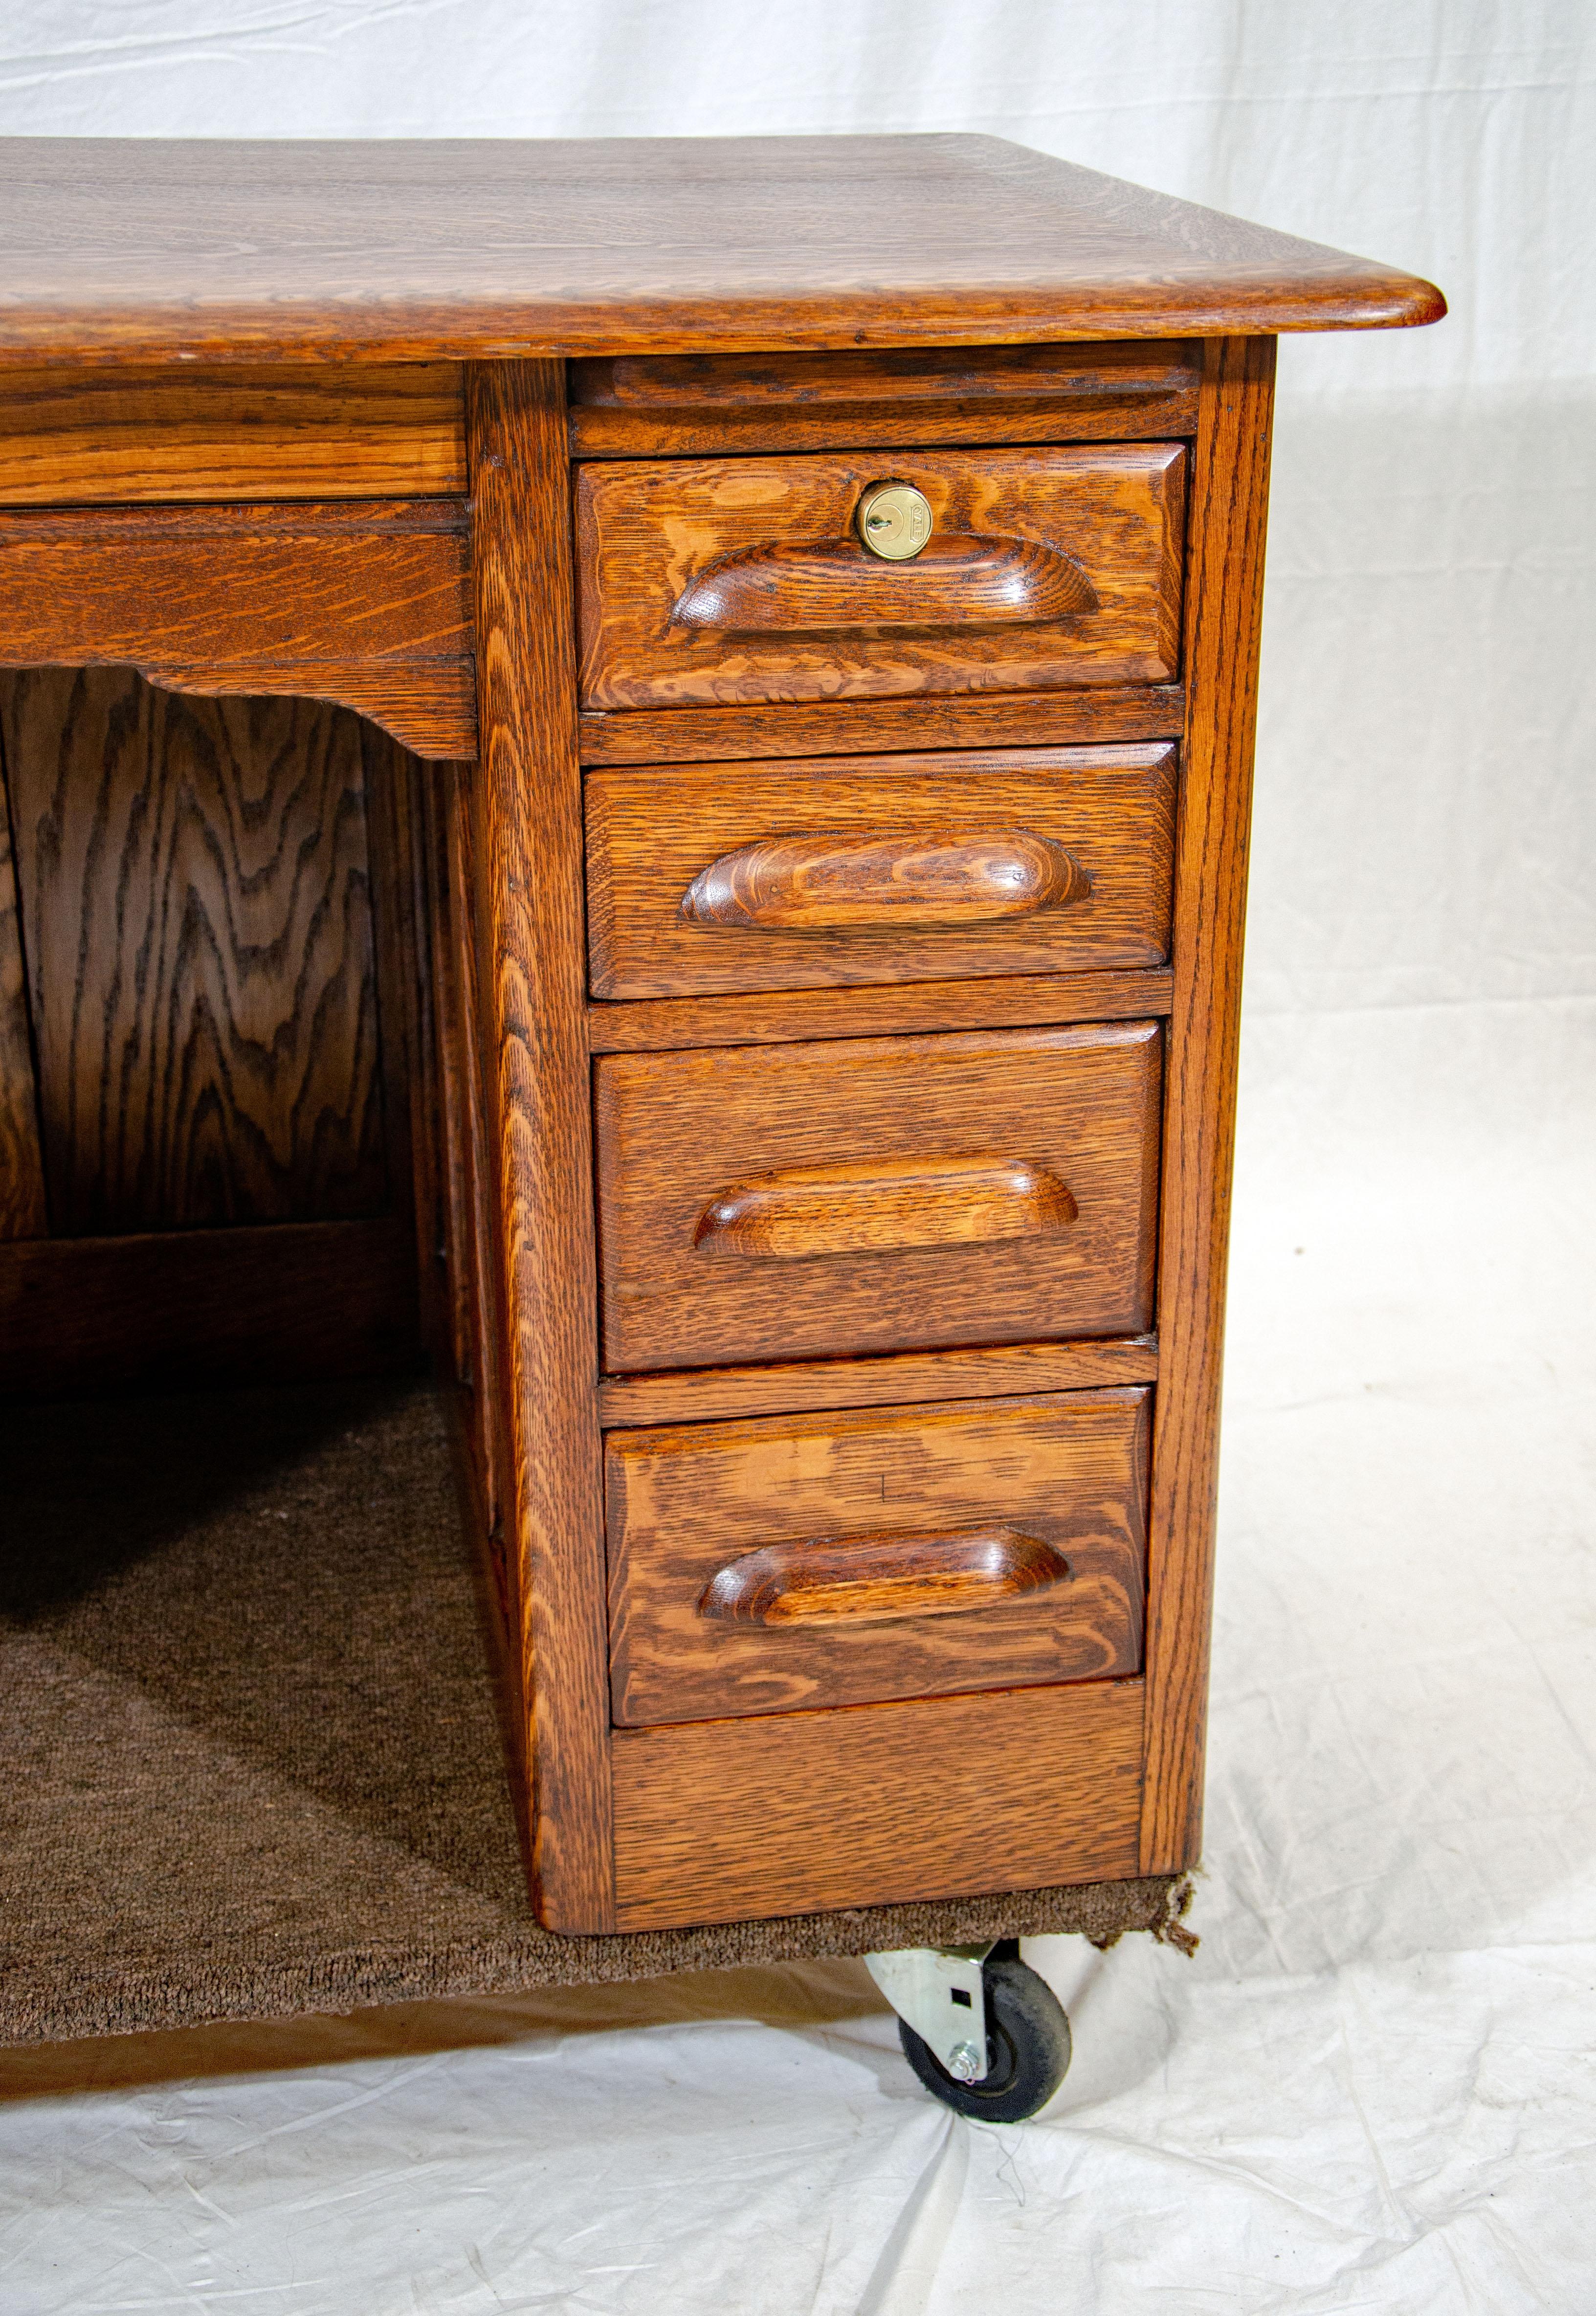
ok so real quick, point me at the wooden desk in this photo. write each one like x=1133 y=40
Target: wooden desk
x=805 y=980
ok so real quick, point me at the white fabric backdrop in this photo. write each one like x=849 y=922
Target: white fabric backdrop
x=1373 y=2089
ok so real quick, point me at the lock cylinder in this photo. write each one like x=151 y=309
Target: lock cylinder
x=893 y=520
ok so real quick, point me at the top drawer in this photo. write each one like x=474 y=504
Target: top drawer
x=744 y=579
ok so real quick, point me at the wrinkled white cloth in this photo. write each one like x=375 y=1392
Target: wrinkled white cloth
x=1374 y=2089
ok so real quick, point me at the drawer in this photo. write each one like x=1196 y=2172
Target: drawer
x=744 y=579
x=876 y=1194
x=804 y=875
x=800 y=1812
x=824 y=1560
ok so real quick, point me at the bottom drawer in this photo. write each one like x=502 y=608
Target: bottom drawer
x=822 y=1560
x=800 y=1812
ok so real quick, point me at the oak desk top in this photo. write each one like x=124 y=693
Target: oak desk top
x=144 y=250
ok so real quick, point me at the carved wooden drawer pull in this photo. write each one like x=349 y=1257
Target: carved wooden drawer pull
x=964 y=580
x=875 y=1209
x=823 y=880
x=860 y=1580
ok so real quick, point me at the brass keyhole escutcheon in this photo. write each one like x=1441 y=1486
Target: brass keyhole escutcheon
x=893 y=520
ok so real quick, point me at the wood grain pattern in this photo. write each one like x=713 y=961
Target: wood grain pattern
x=196 y=910
x=651 y=533
x=674 y=1129
x=687 y=405
x=469 y=1350
x=393 y=781
x=145 y=249
x=792 y=1812
x=525 y=900
x=239 y=433
x=840 y=727
x=363 y=604
x=856 y=869
x=816 y=882
x=281 y=1305
x=814 y=1560
x=1002 y=1003
x=883 y=1205
x=704 y=1395
x=882 y=1576
x=23 y=1209
x=958 y=580
x=1231 y=504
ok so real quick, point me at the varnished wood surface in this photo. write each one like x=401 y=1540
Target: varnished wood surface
x=1060 y=1484
x=146 y=249
x=393 y=782
x=816 y=882
x=883 y=1576
x=708 y=581
x=884 y=1205
x=461 y=1127
x=703 y=1394
x=364 y=604
x=1004 y=1001
x=1231 y=504
x=22 y=1211
x=844 y=727
x=961 y=579
x=674 y=1130
x=525 y=902
x=794 y=1811
x=232 y=435
x=196 y=909
x=282 y=1304
x=857 y=869
x=694 y=404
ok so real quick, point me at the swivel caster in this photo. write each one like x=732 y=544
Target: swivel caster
x=982 y=2031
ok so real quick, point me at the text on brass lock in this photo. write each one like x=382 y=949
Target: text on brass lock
x=893 y=520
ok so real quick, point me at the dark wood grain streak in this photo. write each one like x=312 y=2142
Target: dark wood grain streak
x=789 y=1813
x=196 y=911
x=526 y=902
x=232 y=435
x=846 y=727
x=1004 y=1001
x=283 y=1303
x=22 y=1210
x=365 y=604
x=481 y=249
x=1224 y=597
x=710 y=1394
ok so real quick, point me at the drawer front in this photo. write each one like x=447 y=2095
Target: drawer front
x=744 y=579
x=796 y=1812
x=824 y=1560
x=804 y=875
x=876 y=1194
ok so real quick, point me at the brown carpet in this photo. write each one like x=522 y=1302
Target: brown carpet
x=249 y=1760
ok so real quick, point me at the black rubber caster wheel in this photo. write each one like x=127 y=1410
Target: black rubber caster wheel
x=1027 y=2038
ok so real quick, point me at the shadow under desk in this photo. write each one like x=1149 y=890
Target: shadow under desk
x=250 y=1760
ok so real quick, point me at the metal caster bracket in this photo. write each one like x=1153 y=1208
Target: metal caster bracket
x=939 y=1992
